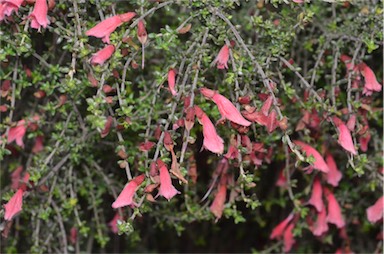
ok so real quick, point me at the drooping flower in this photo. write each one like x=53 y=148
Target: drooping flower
x=334 y=211
x=17 y=133
x=225 y=106
x=189 y=118
x=334 y=175
x=73 y=236
x=222 y=58
x=125 y=198
x=288 y=238
x=146 y=146
x=39 y=15
x=281 y=180
x=345 y=138
x=375 y=212
x=38 y=146
x=266 y=106
x=113 y=223
x=107 y=127
x=321 y=225
x=319 y=162
x=217 y=206
x=279 y=229
x=166 y=189
x=212 y=141
x=9 y=6
x=141 y=32
x=172 y=81
x=15 y=177
x=103 y=55
x=317 y=195
x=371 y=85
x=351 y=123
x=14 y=205
x=104 y=29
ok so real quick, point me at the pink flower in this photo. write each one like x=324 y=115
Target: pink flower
x=141 y=32
x=321 y=225
x=103 y=55
x=113 y=223
x=298 y=1
x=266 y=106
x=38 y=146
x=222 y=58
x=289 y=241
x=107 y=127
x=281 y=180
x=371 y=84
x=334 y=211
x=319 y=162
x=166 y=190
x=334 y=175
x=212 y=141
x=39 y=17
x=225 y=106
x=189 y=118
x=172 y=81
x=15 y=177
x=17 y=133
x=345 y=138
x=9 y=6
x=125 y=198
x=14 y=205
x=375 y=212
x=364 y=140
x=104 y=29
x=317 y=195
x=351 y=123
x=146 y=146
x=73 y=236
x=279 y=229
x=217 y=206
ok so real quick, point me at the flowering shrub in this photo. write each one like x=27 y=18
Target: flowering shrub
x=101 y=150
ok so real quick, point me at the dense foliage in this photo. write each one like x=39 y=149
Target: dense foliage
x=266 y=114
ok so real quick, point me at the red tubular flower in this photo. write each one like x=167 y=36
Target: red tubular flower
x=334 y=175
x=321 y=225
x=107 y=127
x=125 y=198
x=104 y=29
x=141 y=32
x=103 y=55
x=73 y=235
x=225 y=106
x=166 y=190
x=38 y=146
x=14 y=205
x=371 y=84
x=281 y=180
x=17 y=133
x=345 y=138
x=217 y=206
x=317 y=195
x=319 y=162
x=16 y=177
x=351 y=123
x=212 y=141
x=172 y=81
x=113 y=223
x=279 y=229
x=289 y=241
x=39 y=17
x=334 y=211
x=222 y=58
x=146 y=146
x=375 y=212
x=189 y=118
x=9 y=6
